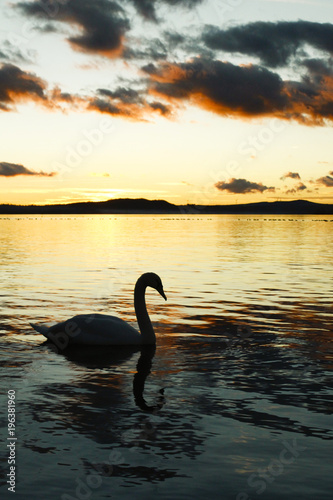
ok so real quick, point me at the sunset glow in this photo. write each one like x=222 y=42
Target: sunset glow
x=188 y=101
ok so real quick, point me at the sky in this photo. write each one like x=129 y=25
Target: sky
x=190 y=101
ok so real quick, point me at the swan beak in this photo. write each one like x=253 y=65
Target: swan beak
x=161 y=292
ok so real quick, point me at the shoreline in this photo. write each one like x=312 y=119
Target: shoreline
x=161 y=207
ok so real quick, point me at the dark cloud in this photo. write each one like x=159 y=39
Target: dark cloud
x=273 y=43
x=126 y=102
x=246 y=91
x=147 y=8
x=104 y=106
x=220 y=86
x=10 y=53
x=153 y=49
x=103 y=27
x=47 y=28
x=13 y=169
x=162 y=108
x=317 y=69
x=326 y=181
x=125 y=95
x=17 y=85
x=3 y=55
x=102 y=23
x=252 y=90
x=311 y=97
x=291 y=175
x=56 y=95
x=174 y=39
x=298 y=188
x=150 y=68
x=242 y=186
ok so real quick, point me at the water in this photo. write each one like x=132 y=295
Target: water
x=237 y=400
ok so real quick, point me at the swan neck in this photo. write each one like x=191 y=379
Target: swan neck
x=145 y=326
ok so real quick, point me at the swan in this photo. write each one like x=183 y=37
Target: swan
x=102 y=329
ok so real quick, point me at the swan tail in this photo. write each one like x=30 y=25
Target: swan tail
x=43 y=329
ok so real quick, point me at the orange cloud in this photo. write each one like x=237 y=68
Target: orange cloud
x=17 y=86
x=127 y=103
x=220 y=87
x=246 y=91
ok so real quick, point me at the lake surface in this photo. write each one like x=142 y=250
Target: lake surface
x=236 y=401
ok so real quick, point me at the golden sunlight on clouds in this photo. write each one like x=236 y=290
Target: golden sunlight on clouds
x=104 y=99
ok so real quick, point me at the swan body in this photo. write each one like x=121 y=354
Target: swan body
x=103 y=329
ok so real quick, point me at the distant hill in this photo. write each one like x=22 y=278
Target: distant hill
x=120 y=206
x=143 y=206
x=276 y=207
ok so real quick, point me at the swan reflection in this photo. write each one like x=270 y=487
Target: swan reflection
x=143 y=370
x=98 y=357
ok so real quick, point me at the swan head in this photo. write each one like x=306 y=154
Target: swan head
x=154 y=281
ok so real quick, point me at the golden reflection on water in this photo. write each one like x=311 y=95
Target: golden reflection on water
x=219 y=271
x=243 y=356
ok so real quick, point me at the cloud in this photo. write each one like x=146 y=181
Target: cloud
x=219 y=86
x=123 y=101
x=311 y=98
x=147 y=8
x=291 y=175
x=104 y=106
x=18 y=85
x=123 y=94
x=56 y=96
x=47 y=28
x=13 y=169
x=242 y=186
x=153 y=49
x=273 y=43
x=101 y=23
x=317 y=69
x=326 y=181
x=298 y=188
x=10 y=53
x=126 y=102
x=174 y=39
x=246 y=90
x=102 y=27
x=162 y=108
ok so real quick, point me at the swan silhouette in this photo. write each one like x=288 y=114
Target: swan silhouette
x=102 y=329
